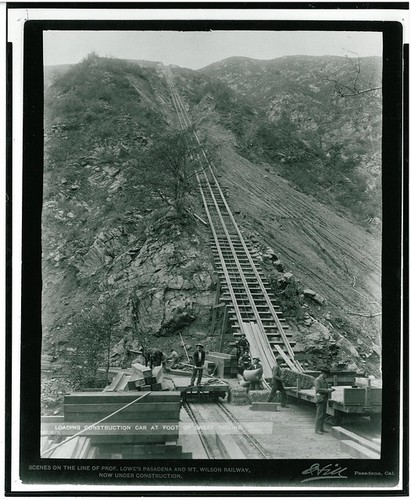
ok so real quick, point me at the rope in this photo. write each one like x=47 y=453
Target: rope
x=97 y=423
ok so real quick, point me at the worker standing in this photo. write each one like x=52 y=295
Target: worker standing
x=277 y=385
x=322 y=392
x=174 y=359
x=256 y=365
x=242 y=345
x=244 y=363
x=198 y=364
x=157 y=358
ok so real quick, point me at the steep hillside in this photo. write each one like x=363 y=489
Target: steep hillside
x=115 y=247
x=322 y=250
x=303 y=119
x=108 y=238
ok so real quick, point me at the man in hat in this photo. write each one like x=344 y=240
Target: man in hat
x=242 y=345
x=174 y=359
x=244 y=363
x=198 y=364
x=322 y=392
x=256 y=365
x=277 y=384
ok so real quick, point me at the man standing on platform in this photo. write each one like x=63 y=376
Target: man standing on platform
x=198 y=364
x=242 y=345
x=322 y=393
x=277 y=385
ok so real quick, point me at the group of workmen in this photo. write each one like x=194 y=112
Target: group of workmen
x=244 y=359
x=155 y=357
x=322 y=389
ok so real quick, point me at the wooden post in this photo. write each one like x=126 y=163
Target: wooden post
x=298 y=390
x=223 y=328
x=217 y=300
x=335 y=380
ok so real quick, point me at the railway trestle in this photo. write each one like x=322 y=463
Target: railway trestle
x=250 y=305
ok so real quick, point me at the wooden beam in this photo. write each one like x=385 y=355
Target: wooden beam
x=224 y=328
x=288 y=361
x=215 y=307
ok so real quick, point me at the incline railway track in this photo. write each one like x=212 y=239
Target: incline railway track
x=251 y=307
x=219 y=443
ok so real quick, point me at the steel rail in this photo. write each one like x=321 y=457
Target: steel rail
x=180 y=110
x=222 y=260
x=230 y=242
x=250 y=259
x=249 y=437
x=201 y=435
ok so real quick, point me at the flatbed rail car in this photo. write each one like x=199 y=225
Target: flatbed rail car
x=347 y=399
x=209 y=389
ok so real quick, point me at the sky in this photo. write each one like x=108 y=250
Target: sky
x=196 y=50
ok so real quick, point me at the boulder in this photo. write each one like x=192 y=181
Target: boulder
x=279 y=266
x=269 y=254
x=319 y=299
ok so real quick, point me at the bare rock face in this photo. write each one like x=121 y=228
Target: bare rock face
x=172 y=286
x=348 y=346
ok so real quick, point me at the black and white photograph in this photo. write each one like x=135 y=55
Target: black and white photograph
x=204 y=221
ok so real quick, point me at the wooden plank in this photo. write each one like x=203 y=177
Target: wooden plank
x=114 y=383
x=92 y=453
x=266 y=354
x=146 y=416
x=127 y=417
x=134 y=438
x=66 y=450
x=287 y=360
x=260 y=406
x=341 y=433
x=110 y=407
x=84 y=447
x=158 y=373
x=358 y=451
x=105 y=397
x=220 y=355
x=52 y=418
x=123 y=384
x=228 y=447
x=142 y=370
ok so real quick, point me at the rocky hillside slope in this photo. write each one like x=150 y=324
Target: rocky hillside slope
x=107 y=235
x=315 y=120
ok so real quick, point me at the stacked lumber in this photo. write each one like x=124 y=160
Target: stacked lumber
x=139 y=378
x=94 y=406
x=78 y=447
x=151 y=422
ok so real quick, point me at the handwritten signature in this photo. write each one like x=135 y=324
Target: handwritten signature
x=330 y=471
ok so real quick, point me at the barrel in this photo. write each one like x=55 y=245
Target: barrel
x=252 y=375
